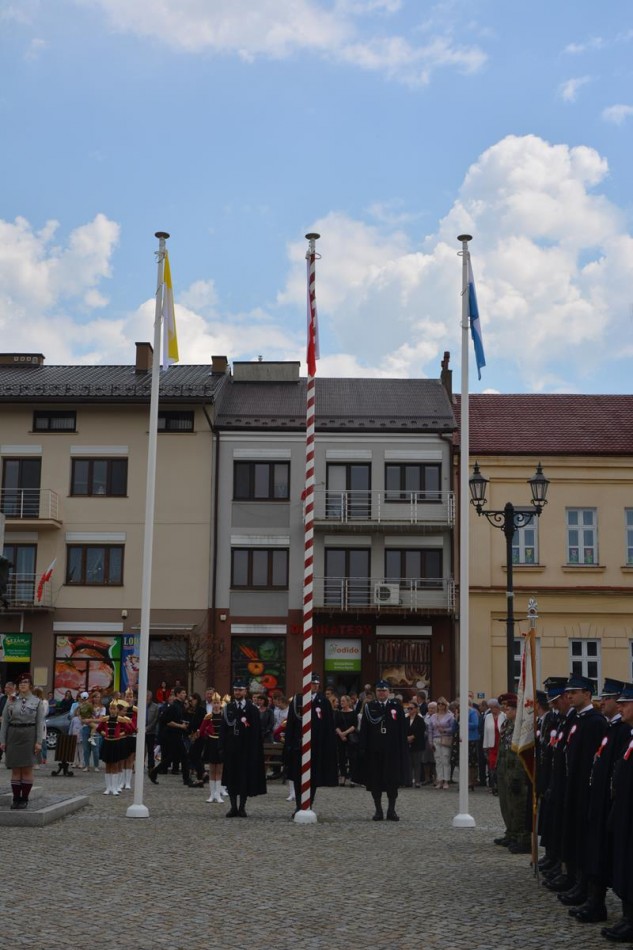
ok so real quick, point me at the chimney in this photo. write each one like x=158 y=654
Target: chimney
x=22 y=360
x=446 y=376
x=219 y=365
x=144 y=357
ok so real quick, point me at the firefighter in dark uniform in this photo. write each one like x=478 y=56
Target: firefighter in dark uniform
x=557 y=879
x=585 y=736
x=244 y=773
x=547 y=730
x=597 y=848
x=383 y=751
x=323 y=755
x=621 y=822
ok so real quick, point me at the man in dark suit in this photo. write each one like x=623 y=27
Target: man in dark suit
x=583 y=741
x=383 y=750
x=622 y=825
x=323 y=757
x=174 y=726
x=244 y=773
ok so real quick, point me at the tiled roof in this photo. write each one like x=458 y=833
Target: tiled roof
x=50 y=384
x=550 y=424
x=353 y=404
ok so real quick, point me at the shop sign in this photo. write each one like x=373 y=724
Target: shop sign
x=15 y=647
x=343 y=656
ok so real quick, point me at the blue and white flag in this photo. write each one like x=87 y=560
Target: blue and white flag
x=475 y=324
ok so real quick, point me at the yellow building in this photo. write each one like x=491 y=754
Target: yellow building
x=576 y=560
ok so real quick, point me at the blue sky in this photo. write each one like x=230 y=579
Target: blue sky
x=389 y=126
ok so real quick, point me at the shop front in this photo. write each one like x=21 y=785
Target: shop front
x=15 y=655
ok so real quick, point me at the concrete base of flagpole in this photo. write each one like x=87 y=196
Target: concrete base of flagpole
x=137 y=811
x=463 y=821
x=305 y=816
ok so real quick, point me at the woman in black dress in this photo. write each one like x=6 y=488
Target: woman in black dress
x=345 y=725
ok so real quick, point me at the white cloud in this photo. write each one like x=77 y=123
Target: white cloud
x=350 y=31
x=568 y=90
x=551 y=257
x=536 y=217
x=593 y=43
x=617 y=114
x=40 y=280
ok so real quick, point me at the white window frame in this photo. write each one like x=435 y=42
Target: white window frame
x=579 y=663
x=628 y=537
x=580 y=528
x=519 y=544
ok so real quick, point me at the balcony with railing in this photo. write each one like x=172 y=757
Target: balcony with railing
x=407 y=595
x=23 y=594
x=30 y=507
x=345 y=510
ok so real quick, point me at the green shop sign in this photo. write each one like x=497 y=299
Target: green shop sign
x=15 y=647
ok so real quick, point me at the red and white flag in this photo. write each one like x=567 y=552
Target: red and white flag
x=46 y=576
x=524 y=732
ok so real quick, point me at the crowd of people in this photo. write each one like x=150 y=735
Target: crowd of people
x=576 y=795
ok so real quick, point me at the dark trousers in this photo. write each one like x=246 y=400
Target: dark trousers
x=172 y=754
x=150 y=742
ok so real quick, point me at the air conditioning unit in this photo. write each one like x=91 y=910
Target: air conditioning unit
x=387 y=594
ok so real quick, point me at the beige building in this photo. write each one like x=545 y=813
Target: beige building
x=73 y=447
x=577 y=559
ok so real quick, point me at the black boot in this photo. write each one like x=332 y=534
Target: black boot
x=378 y=814
x=576 y=895
x=391 y=809
x=241 y=811
x=594 y=910
x=233 y=811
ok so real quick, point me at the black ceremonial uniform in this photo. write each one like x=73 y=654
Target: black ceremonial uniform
x=384 y=756
x=597 y=850
x=323 y=753
x=584 y=738
x=244 y=773
x=546 y=737
x=622 y=825
x=556 y=791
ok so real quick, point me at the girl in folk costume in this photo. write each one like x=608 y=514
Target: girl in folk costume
x=115 y=730
x=128 y=709
x=210 y=734
x=21 y=737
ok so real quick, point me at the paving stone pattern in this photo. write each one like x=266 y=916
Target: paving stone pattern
x=188 y=878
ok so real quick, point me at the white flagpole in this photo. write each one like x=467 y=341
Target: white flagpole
x=463 y=819
x=138 y=809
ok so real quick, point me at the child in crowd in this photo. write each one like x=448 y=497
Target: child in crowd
x=75 y=730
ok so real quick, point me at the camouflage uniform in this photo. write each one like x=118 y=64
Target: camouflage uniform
x=513 y=788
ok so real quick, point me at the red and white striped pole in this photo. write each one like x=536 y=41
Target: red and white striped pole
x=304 y=813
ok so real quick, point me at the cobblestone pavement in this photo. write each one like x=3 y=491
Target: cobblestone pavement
x=188 y=878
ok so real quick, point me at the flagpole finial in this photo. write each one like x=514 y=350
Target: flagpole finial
x=464 y=238
x=312 y=236
x=161 y=235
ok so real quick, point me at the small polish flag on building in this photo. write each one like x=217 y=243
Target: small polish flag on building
x=46 y=576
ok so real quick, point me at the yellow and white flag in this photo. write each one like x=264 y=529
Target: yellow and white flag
x=170 y=338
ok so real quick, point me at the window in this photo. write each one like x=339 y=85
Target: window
x=628 y=516
x=412 y=482
x=414 y=569
x=99 y=477
x=21 y=487
x=93 y=564
x=261 y=481
x=170 y=421
x=347 y=581
x=54 y=421
x=582 y=540
x=585 y=658
x=259 y=568
x=348 y=496
x=21 y=586
x=524 y=549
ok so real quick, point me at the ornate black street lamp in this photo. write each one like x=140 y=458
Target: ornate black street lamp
x=509 y=519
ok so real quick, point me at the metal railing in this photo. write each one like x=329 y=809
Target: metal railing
x=402 y=507
x=22 y=592
x=354 y=593
x=36 y=503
